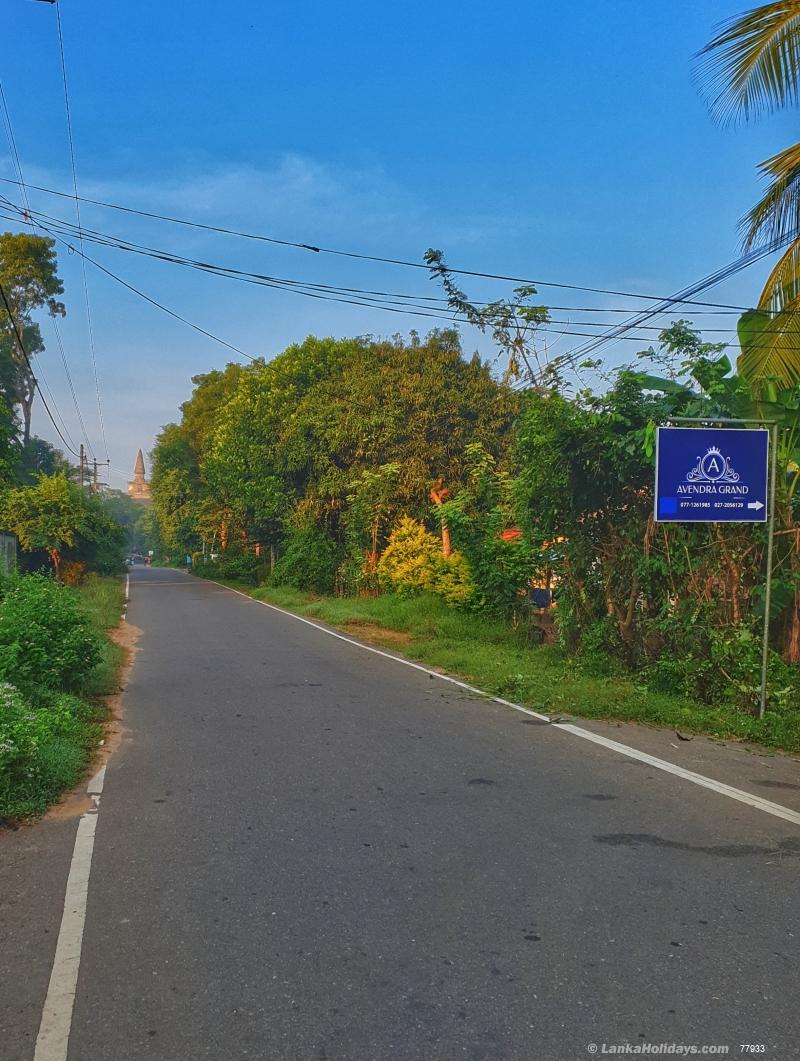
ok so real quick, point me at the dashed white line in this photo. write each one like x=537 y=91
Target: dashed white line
x=52 y=1041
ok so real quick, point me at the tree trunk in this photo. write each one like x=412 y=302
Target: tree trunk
x=26 y=404
x=626 y=622
x=447 y=548
x=55 y=557
x=438 y=494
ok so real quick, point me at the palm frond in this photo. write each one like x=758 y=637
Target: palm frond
x=770 y=348
x=782 y=288
x=753 y=64
x=777 y=213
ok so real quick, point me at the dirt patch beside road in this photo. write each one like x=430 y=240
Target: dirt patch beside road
x=378 y=634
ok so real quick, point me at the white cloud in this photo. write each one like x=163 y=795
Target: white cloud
x=298 y=198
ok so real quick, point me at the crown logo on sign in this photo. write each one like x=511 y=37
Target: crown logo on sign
x=714 y=467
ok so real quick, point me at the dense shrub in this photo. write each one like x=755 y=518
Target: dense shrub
x=45 y=637
x=106 y=556
x=413 y=562
x=44 y=743
x=73 y=572
x=310 y=561
x=233 y=565
x=21 y=733
x=723 y=666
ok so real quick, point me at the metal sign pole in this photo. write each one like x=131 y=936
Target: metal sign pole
x=666 y=509
x=768 y=585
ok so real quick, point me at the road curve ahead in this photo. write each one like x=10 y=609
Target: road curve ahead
x=308 y=852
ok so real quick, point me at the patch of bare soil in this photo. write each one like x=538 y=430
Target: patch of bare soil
x=379 y=634
x=76 y=802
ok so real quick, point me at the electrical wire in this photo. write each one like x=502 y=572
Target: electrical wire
x=71 y=141
x=373 y=299
x=377 y=258
x=321 y=291
x=147 y=298
x=450 y=319
x=300 y=287
x=12 y=141
x=383 y=298
x=712 y=280
x=27 y=360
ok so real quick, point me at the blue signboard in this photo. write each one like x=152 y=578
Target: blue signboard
x=711 y=475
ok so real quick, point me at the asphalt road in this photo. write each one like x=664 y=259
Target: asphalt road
x=308 y=852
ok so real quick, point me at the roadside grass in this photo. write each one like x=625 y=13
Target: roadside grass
x=68 y=745
x=493 y=656
x=102 y=597
x=60 y=761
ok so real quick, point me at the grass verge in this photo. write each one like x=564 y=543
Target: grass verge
x=496 y=658
x=71 y=726
x=102 y=597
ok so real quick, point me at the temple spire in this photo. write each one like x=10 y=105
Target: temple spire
x=138 y=487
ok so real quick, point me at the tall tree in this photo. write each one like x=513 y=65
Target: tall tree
x=52 y=515
x=29 y=276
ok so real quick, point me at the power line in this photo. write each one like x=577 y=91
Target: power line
x=141 y=294
x=369 y=299
x=619 y=332
x=263 y=282
x=298 y=287
x=27 y=360
x=9 y=126
x=373 y=299
x=320 y=291
x=377 y=299
x=49 y=390
x=80 y=237
x=386 y=299
x=375 y=258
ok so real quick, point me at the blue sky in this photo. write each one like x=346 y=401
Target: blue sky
x=563 y=142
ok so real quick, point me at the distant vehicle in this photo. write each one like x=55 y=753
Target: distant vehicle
x=136 y=558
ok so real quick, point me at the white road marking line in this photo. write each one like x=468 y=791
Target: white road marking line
x=765 y=805
x=52 y=1041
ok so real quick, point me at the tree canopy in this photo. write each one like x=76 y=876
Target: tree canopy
x=30 y=281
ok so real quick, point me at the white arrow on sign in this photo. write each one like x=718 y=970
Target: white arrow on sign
x=757 y=505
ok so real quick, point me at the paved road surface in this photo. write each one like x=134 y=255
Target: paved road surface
x=307 y=852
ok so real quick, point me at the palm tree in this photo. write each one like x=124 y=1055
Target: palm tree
x=752 y=67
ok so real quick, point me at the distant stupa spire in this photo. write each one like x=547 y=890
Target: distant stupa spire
x=138 y=487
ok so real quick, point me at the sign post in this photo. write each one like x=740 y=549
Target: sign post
x=711 y=474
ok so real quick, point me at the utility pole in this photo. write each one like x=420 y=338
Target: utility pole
x=95 y=487
x=82 y=472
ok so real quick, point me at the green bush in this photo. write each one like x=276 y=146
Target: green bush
x=21 y=733
x=44 y=746
x=413 y=562
x=601 y=647
x=46 y=639
x=232 y=565
x=310 y=561
x=725 y=667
